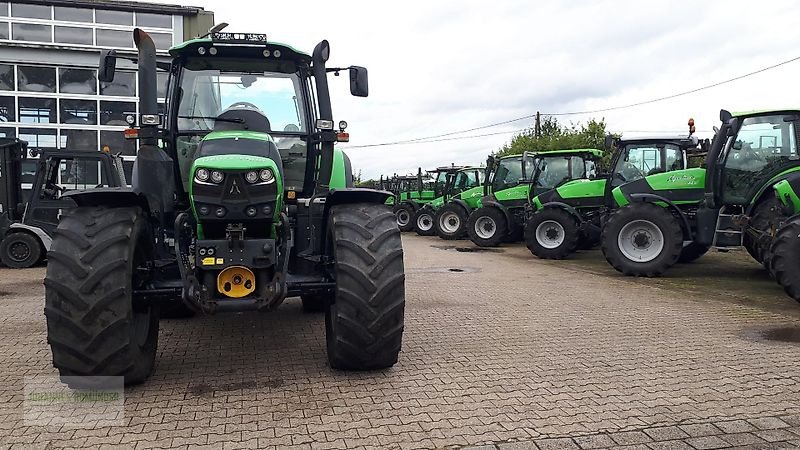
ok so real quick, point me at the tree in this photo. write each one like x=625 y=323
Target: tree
x=554 y=136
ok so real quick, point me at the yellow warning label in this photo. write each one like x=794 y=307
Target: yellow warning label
x=208 y=261
x=291 y=195
x=220 y=261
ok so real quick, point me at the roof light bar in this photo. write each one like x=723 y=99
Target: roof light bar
x=248 y=37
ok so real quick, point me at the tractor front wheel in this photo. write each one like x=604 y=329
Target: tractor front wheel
x=423 y=222
x=364 y=324
x=20 y=250
x=692 y=251
x=552 y=234
x=405 y=216
x=642 y=239
x=450 y=222
x=94 y=327
x=487 y=227
x=785 y=262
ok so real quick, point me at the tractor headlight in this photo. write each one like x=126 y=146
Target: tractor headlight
x=266 y=176
x=216 y=176
x=251 y=177
x=201 y=175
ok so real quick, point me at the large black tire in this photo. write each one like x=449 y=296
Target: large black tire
x=424 y=224
x=93 y=327
x=364 y=325
x=766 y=217
x=405 y=216
x=487 y=226
x=314 y=303
x=20 y=250
x=552 y=233
x=450 y=222
x=785 y=261
x=641 y=223
x=692 y=251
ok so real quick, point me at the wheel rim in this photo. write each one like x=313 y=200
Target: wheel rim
x=449 y=222
x=485 y=227
x=424 y=222
x=640 y=241
x=19 y=251
x=403 y=217
x=550 y=234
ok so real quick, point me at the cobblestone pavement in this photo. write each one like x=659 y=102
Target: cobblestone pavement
x=506 y=351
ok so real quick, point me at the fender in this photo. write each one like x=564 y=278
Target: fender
x=461 y=203
x=114 y=197
x=44 y=238
x=349 y=196
x=499 y=206
x=571 y=210
x=652 y=198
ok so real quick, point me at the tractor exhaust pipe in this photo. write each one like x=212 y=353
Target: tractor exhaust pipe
x=148 y=82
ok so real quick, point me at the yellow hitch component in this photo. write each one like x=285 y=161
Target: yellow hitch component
x=236 y=282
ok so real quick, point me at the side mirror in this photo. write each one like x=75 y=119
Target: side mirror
x=359 y=81
x=609 y=141
x=108 y=65
x=724 y=115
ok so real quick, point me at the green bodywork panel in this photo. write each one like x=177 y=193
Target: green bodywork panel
x=338 y=174
x=694 y=178
x=787 y=195
x=578 y=189
x=238 y=134
x=472 y=196
x=518 y=192
x=437 y=203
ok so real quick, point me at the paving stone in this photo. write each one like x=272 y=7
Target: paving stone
x=594 y=441
x=736 y=426
x=742 y=439
x=556 y=444
x=707 y=442
x=776 y=435
x=630 y=438
x=699 y=430
x=522 y=445
x=670 y=445
x=665 y=433
x=768 y=423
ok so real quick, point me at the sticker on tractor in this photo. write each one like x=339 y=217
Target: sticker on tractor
x=208 y=261
x=685 y=180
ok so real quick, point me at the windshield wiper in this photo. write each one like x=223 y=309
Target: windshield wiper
x=218 y=119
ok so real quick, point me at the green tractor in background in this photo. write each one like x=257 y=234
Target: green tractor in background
x=413 y=193
x=238 y=200
x=748 y=189
x=451 y=182
x=501 y=215
x=571 y=216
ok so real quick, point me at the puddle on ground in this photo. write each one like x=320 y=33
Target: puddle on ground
x=784 y=334
x=468 y=249
x=206 y=390
x=4 y=293
x=442 y=270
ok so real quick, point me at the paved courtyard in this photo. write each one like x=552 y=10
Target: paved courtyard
x=501 y=350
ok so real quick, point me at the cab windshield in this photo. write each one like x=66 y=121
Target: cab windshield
x=508 y=174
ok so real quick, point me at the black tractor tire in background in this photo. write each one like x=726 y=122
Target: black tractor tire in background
x=644 y=221
x=405 y=211
x=552 y=233
x=20 y=250
x=487 y=227
x=314 y=303
x=93 y=327
x=766 y=217
x=424 y=216
x=450 y=222
x=785 y=257
x=364 y=325
x=692 y=251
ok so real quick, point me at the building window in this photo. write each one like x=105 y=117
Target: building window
x=30 y=11
x=114 y=39
x=113 y=17
x=3 y=9
x=67 y=14
x=79 y=140
x=7 y=132
x=4 y=30
x=77 y=81
x=6 y=77
x=79 y=112
x=115 y=142
x=31 y=32
x=7 y=109
x=153 y=20
x=163 y=41
x=38 y=138
x=36 y=79
x=114 y=113
x=37 y=110
x=73 y=35
x=124 y=85
x=163 y=82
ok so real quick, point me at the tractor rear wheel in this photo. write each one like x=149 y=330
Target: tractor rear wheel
x=785 y=262
x=423 y=222
x=692 y=251
x=93 y=326
x=405 y=216
x=364 y=324
x=20 y=250
x=487 y=227
x=765 y=218
x=450 y=222
x=552 y=233
x=642 y=239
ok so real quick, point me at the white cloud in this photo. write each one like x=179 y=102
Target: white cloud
x=447 y=65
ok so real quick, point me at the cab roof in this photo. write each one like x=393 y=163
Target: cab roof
x=240 y=45
x=762 y=112
x=593 y=151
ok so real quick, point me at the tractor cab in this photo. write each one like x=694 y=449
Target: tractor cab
x=558 y=167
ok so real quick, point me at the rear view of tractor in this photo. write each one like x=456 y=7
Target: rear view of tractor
x=414 y=192
x=239 y=200
x=516 y=180
x=571 y=216
x=748 y=191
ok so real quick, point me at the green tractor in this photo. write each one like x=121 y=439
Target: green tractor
x=450 y=221
x=238 y=200
x=413 y=193
x=748 y=189
x=444 y=187
x=501 y=215
x=571 y=216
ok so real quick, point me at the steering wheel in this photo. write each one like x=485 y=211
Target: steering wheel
x=748 y=153
x=244 y=104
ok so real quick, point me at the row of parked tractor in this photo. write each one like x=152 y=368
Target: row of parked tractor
x=660 y=200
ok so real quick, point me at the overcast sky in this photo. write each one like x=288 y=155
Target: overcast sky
x=446 y=65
